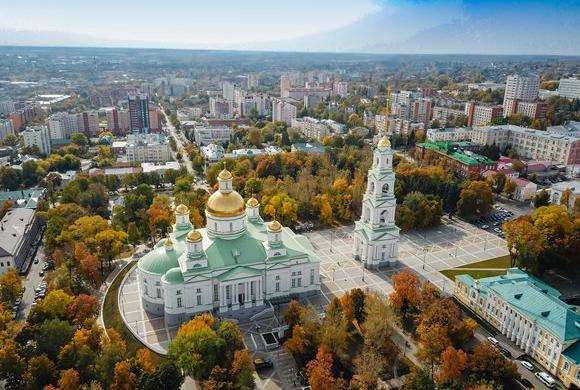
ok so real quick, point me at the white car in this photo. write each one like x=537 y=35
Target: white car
x=493 y=340
x=546 y=379
x=527 y=365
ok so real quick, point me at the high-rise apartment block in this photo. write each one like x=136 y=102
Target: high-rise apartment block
x=139 y=113
x=88 y=123
x=283 y=111
x=340 y=88
x=37 y=136
x=481 y=115
x=519 y=89
x=569 y=88
x=5 y=128
x=221 y=108
x=61 y=125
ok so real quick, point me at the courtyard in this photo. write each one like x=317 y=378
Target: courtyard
x=450 y=245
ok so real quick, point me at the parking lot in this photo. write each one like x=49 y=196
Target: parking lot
x=493 y=222
x=31 y=283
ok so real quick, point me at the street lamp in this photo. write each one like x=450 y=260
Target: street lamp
x=425 y=250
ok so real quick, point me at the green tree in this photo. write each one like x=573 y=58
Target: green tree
x=475 y=199
x=53 y=335
x=133 y=236
x=542 y=198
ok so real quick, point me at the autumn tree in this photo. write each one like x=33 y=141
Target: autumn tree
x=453 y=362
x=487 y=363
x=542 y=198
x=380 y=318
x=528 y=241
x=475 y=199
x=10 y=286
x=160 y=216
x=405 y=295
x=368 y=365
x=69 y=380
x=292 y=314
x=82 y=308
x=419 y=379
x=319 y=370
x=298 y=343
x=41 y=372
x=509 y=188
x=123 y=378
x=242 y=370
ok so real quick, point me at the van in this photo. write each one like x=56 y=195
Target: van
x=493 y=340
x=546 y=379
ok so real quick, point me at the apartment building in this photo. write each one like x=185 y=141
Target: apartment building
x=529 y=313
x=381 y=124
x=145 y=147
x=6 y=128
x=88 y=123
x=311 y=127
x=450 y=134
x=569 y=88
x=283 y=111
x=340 y=88
x=404 y=127
x=221 y=108
x=117 y=121
x=37 y=136
x=443 y=114
x=61 y=125
x=534 y=110
x=139 y=120
x=532 y=144
x=19 y=229
x=521 y=87
x=481 y=115
x=212 y=135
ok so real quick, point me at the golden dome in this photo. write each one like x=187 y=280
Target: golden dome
x=182 y=209
x=194 y=235
x=230 y=204
x=168 y=243
x=252 y=202
x=384 y=143
x=225 y=175
x=274 y=226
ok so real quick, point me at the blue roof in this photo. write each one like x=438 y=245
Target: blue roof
x=532 y=298
x=572 y=353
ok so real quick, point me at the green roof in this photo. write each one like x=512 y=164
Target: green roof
x=532 y=298
x=239 y=273
x=159 y=260
x=173 y=276
x=448 y=149
x=572 y=353
x=25 y=198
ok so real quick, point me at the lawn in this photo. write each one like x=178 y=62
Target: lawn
x=112 y=317
x=480 y=269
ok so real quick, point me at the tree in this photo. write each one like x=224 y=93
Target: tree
x=165 y=377
x=293 y=314
x=565 y=198
x=453 y=362
x=487 y=363
x=133 y=236
x=353 y=304
x=542 y=198
x=419 y=379
x=509 y=188
x=41 y=372
x=69 y=380
x=475 y=199
x=82 y=308
x=333 y=333
x=52 y=336
x=498 y=180
x=144 y=359
x=405 y=295
x=10 y=286
x=319 y=370
x=553 y=221
x=369 y=366
x=378 y=325
x=298 y=343
x=528 y=241
x=242 y=370
x=124 y=379
x=160 y=216
x=110 y=244
x=434 y=340
x=79 y=139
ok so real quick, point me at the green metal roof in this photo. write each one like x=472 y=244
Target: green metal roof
x=173 y=276
x=532 y=298
x=572 y=353
x=447 y=148
x=159 y=260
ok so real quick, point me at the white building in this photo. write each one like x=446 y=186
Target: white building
x=311 y=127
x=381 y=124
x=213 y=152
x=61 y=125
x=208 y=135
x=341 y=88
x=443 y=114
x=522 y=88
x=283 y=111
x=37 y=136
x=559 y=188
x=569 y=88
x=221 y=108
x=450 y=134
x=228 y=90
x=5 y=128
x=531 y=144
x=7 y=107
x=147 y=148
x=376 y=236
x=237 y=262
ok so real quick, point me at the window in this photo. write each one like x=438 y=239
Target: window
x=198 y=290
x=146 y=290
x=1 y=264
x=179 y=302
x=228 y=295
x=385 y=188
x=293 y=273
x=144 y=280
x=7 y=264
x=277 y=286
x=158 y=293
x=293 y=283
x=216 y=294
x=299 y=273
x=277 y=277
x=299 y=282
x=178 y=292
x=251 y=288
x=199 y=300
x=311 y=276
x=231 y=227
x=158 y=283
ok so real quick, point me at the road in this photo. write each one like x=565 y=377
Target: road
x=173 y=132
x=30 y=282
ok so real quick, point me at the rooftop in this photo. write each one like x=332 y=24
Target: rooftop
x=453 y=150
x=13 y=229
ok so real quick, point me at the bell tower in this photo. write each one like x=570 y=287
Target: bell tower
x=375 y=235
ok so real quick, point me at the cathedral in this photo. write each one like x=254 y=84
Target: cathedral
x=376 y=236
x=236 y=262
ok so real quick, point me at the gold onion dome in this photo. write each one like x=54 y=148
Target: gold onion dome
x=225 y=175
x=194 y=235
x=274 y=226
x=384 y=143
x=230 y=204
x=252 y=202
x=168 y=243
x=182 y=209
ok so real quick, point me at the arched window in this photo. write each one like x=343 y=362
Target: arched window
x=366 y=214
x=384 y=216
x=371 y=187
x=385 y=188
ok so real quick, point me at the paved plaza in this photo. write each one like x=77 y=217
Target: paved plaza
x=453 y=244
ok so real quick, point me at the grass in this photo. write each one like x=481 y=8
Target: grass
x=478 y=270
x=112 y=317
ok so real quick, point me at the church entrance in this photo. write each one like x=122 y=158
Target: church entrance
x=241 y=298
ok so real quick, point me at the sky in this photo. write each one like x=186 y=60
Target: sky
x=185 y=22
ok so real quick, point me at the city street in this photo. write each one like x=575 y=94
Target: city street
x=30 y=282
x=180 y=147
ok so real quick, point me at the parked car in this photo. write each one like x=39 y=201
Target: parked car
x=260 y=363
x=527 y=365
x=493 y=340
x=41 y=273
x=526 y=383
x=546 y=379
x=36 y=261
x=505 y=352
x=498 y=230
x=485 y=226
